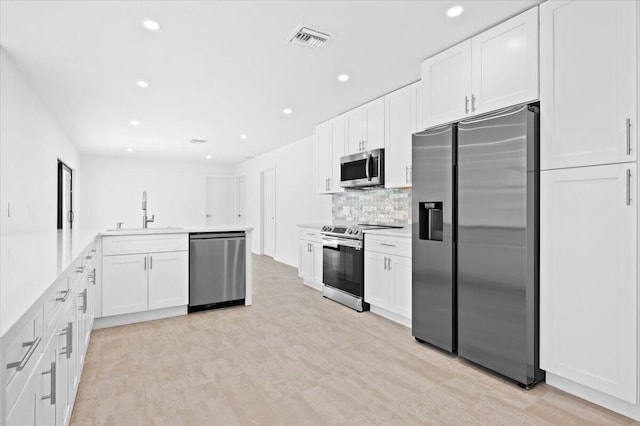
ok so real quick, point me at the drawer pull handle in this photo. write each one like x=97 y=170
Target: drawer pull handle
x=19 y=365
x=387 y=245
x=52 y=396
x=65 y=297
x=68 y=333
x=310 y=234
x=79 y=269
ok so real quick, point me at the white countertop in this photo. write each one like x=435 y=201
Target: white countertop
x=31 y=262
x=393 y=232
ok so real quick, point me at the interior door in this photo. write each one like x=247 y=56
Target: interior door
x=219 y=201
x=269 y=212
x=65 y=196
x=241 y=200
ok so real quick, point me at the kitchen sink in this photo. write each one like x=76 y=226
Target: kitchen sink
x=155 y=228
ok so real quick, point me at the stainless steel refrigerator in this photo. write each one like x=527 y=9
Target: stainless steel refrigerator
x=489 y=233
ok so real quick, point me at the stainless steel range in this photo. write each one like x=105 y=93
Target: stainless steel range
x=343 y=263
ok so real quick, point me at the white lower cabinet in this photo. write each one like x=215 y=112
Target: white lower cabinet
x=387 y=277
x=124 y=288
x=310 y=257
x=588 y=281
x=167 y=272
x=25 y=411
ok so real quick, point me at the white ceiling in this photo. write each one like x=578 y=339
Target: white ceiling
x=220 y=69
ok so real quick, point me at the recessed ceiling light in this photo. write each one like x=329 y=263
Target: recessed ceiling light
x=208 y=157
x=151 y=25
x=142 y=83
x=129 y=149
x=135 y=122
x=343 y=77
x=287 y=111
x=454 y=11
x=243 y=136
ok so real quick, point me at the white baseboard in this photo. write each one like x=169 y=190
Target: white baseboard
x=314 y=285
x=391 y=316
x=139 y=317
x=592 y=395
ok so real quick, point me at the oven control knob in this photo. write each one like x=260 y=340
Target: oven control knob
x=357 y=231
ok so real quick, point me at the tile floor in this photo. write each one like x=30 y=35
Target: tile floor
x=295 y=358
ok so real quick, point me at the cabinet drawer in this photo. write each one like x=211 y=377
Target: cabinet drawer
x=134 y=244
x=54 y=305
x=21 y=355
x=389 y=245
x=311 y=234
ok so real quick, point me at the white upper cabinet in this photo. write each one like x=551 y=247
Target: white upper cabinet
x=337 y=151
x=492 y=70
x=447 y=85
x=417 y=107
x=323 y=157
x=330 y=141
x=364 y=127
x=588 y=282
x=505 y=64
x=588 y=83
x=398 y=123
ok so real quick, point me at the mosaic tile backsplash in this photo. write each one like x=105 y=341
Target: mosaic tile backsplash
x=373 y=205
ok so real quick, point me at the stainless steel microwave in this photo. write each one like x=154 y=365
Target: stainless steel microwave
x=361 y=170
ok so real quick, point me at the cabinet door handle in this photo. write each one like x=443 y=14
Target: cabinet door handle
x=65 y=297
x=628 y=187
x=387 y=245
x=83 y=308
x=52 y=395
x=93 y=276
x=406 y=174
x=466 y=105
x=145 y=263
x=150 y=262
x=68 y=333
x=385 y=263
x=388 y=264
x=628 y=130
x=473 y=103
x=411 y=173
x=19 y=365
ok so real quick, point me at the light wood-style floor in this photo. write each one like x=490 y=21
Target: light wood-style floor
x=294 y=358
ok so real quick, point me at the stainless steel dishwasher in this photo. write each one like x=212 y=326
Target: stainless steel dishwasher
x=217 y=270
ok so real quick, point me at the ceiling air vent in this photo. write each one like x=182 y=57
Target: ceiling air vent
x=307 y=38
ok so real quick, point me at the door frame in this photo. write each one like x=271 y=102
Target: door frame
x=61 y=167
x=262 y=208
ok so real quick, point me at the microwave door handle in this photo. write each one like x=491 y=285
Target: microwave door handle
x=367 y=167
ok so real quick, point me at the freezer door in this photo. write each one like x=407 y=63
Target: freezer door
x=497 y=242
x=433 y=315
x=216 y=270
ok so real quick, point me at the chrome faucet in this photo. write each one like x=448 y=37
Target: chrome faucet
x=145 y=219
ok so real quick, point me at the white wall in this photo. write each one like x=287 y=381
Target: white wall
x=296 y=198
x=31 y=141
x=112 y=191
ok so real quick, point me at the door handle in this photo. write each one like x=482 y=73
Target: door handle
x=385 y=263
x=628 y=187
x=388 y=264
x=466 y=105
x=52 y=394
x=473 y=103
x=150 y=262
x=68 y=334
x=628 y=130
x=19 y=365
x=145 y=263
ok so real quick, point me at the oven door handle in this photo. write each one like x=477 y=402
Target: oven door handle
x=335 y=243
x=367 y=166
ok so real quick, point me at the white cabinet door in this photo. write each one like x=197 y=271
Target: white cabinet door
x=588 y=86
x=316 y=252
x=397 y=161
x=505 y=64
x=588 y=283
x=417 y=107
x=25 y=411
x=64 y=384
x=337 y=151
x=354 y=130
x=323 y=157
x=305 y=265
x=400 y=295
x=168 y=279
x=374 y=124
x=376 y=279
x=124 y=287
x=47 y=374
x=447 y=85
